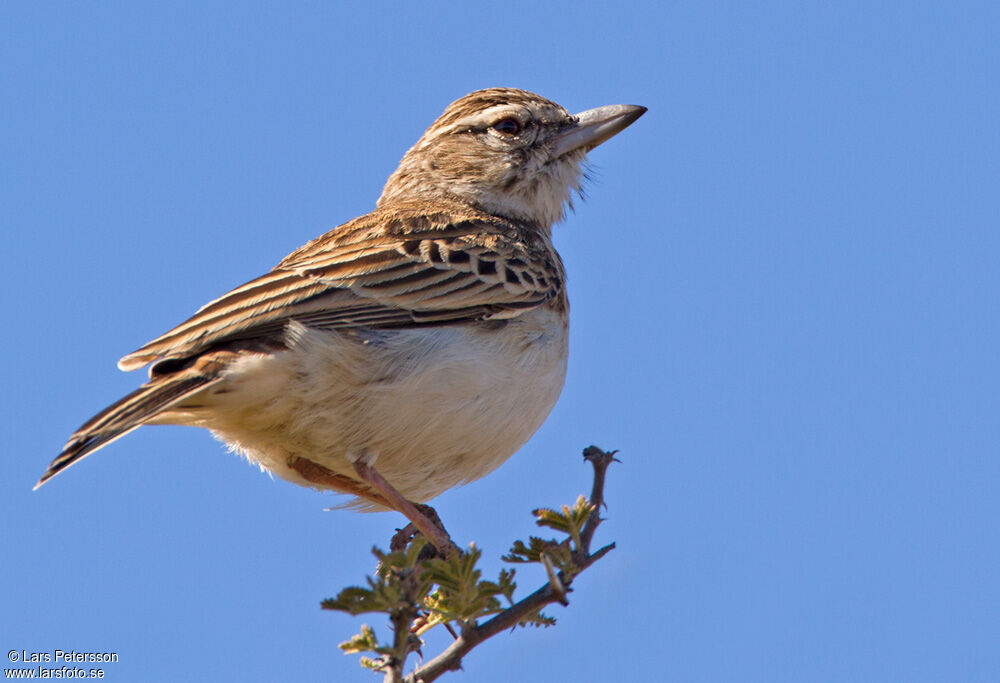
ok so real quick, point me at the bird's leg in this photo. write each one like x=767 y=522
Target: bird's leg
x=427 y=524
x=327 y=479
x=423 y=518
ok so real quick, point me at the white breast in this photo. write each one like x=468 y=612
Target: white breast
x=434 y=407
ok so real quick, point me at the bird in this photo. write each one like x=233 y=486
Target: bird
x=407 y=351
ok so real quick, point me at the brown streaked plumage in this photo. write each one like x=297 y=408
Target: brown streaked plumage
x=427 y=338
x=410 y=263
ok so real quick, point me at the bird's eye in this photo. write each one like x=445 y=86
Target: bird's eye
x=508 y=126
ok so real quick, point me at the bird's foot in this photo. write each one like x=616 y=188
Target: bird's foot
x=403 y=536
x=422 y=517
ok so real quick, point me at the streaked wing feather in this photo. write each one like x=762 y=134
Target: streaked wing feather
x=391 y=268
x=139 y=407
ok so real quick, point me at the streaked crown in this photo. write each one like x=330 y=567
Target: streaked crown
x=509 y=152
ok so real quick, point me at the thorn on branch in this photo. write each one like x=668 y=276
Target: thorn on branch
x=558 y=589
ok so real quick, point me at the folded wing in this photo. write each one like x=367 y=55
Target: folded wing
x=397 y=267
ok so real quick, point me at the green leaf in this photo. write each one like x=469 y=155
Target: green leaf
x=521 y=553
x=569 y=519
x=398 y=584
x=537 y=620
x=461 y=594
x=373 y=664
x=366 y=641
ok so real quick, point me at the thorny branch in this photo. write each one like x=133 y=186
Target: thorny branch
x=553 y=591
x=601 y=461
x=562 y=561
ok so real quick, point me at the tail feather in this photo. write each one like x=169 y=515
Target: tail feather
x=121 y=417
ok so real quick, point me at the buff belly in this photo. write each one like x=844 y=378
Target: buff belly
x=430 y=408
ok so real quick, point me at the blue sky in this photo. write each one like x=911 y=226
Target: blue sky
x=784 y=284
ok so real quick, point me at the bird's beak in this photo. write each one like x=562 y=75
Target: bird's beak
x=592 y=127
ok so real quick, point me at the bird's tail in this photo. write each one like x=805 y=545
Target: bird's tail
x=134 y=410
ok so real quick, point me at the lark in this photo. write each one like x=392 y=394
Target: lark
x=408 y=351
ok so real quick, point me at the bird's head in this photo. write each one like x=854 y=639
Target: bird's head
x=509 y=152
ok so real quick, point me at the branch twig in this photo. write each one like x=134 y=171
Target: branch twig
x=601 y=460
x=451 y=658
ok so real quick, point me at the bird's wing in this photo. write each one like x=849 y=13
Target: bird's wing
x=151 y=399
x=397 y=267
